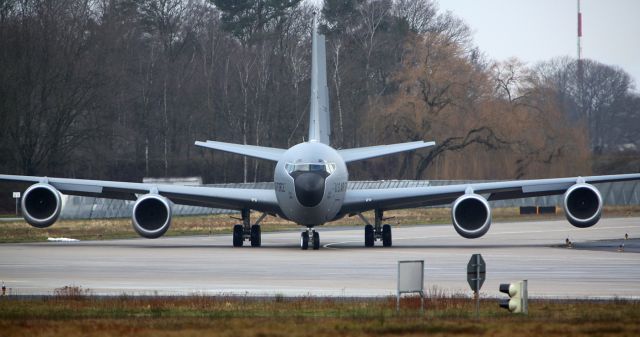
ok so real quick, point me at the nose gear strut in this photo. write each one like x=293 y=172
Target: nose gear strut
x=310 y=236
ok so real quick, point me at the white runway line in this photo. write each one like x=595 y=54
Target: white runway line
x=62 y=240
x=209 y=264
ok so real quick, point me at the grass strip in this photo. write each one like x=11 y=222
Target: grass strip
x=78 y=314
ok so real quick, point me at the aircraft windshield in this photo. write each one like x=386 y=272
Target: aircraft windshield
x=310 y=167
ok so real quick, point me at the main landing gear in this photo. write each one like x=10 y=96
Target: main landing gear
x=378 y=232
x=310 y=236
x=247 y=231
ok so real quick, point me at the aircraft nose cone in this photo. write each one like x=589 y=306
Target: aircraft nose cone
x=309 y=188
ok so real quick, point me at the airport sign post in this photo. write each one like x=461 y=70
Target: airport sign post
x=476 y=274
x=411 y=280
x=16 y=195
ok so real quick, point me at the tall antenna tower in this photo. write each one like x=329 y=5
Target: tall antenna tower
x=579 y=33
x=580 y=70
x=582 y=110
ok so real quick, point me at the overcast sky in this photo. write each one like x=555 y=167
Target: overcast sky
x=537 y=30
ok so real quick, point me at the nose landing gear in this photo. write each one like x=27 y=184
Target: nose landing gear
x=310 y=236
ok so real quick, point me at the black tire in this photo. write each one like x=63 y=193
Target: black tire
x=256 y=237
x=316 y=240
x=369 y=238
x=237 y=236
x=386 y=235
x=304 y=240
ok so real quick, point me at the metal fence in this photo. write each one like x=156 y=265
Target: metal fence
x=74 y=207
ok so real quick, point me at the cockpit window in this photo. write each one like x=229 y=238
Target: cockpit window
x=310 y=167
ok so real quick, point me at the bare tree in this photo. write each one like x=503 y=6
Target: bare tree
x=509 y=77
x=593 y=98
x=418 y=14
x=47 y=81
x=120 y=89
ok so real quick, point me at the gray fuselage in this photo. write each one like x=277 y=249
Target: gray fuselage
x=310 y=183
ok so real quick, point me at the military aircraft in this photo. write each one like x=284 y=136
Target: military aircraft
x=310 y=187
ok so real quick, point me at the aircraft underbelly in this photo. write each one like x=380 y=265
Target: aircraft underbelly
x=324 y=211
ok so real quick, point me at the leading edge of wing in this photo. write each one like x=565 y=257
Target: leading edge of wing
x=263 y=200
x=410 y=197
x=360 y=153
x=268 y=153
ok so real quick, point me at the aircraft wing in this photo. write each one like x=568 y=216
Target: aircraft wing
x=268 y=153
x=411 y=197
x=360 y=153
x=216 y=197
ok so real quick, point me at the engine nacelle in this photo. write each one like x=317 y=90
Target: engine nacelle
x=471 y=216
x=151 y=216
x=41 y=204
x=583 y=205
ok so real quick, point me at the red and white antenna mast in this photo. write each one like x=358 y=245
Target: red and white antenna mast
x=579 y=32
x=580 y=68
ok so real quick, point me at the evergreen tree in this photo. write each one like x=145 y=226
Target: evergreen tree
x=246 y=18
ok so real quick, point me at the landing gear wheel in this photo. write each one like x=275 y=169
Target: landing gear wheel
x=256 y=239
x=386 y=235
x=369 y=238
x=304 y=240
x=237 y=235
x=316 y=240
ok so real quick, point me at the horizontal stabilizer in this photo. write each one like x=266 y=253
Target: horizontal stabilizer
x=361 y=153
x=268 y=153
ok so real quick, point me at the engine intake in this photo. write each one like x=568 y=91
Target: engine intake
x=41 y=205
x=583 y=205
x=471 y=216
x=151 y=216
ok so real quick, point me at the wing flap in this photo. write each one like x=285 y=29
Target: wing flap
x=89 y=189
x=219 y=197
x=547 y=187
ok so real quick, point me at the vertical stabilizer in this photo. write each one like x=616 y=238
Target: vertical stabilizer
x=319 y=122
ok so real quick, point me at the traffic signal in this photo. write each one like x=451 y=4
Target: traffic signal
x=518 y=302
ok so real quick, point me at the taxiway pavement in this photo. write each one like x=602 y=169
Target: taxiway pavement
x=342 y=267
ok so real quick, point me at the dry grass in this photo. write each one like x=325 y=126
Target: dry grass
x=102 y=229
x=83 y=315
x=71 y=292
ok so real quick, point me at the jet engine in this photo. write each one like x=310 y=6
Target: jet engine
x=583 y=205
x=151 y=215
x=471 y=216
x=41 y=205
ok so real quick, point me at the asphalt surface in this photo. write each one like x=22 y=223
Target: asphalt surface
x=342 y=267
x=629 y=246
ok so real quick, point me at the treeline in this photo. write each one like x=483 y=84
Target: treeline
x=121 y=89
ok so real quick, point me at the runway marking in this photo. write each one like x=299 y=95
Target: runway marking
x=330 y=245
x=188 y=265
